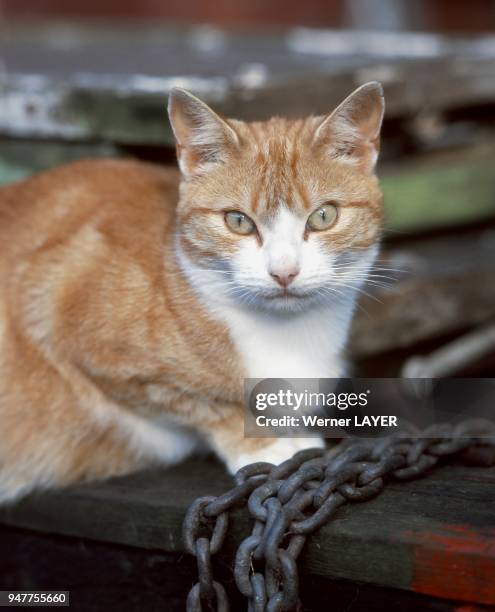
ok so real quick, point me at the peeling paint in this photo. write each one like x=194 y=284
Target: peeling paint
x=456 y=562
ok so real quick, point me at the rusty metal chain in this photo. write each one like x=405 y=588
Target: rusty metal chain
x=290 y=501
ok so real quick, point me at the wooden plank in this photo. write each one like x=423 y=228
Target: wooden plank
x=446 y=284
x=21 y=158
x=98 y=576
x=81 y=82
x=115 y=577
x=421 y=310
x=447 y=515
x=439 y=189
x=435 y=536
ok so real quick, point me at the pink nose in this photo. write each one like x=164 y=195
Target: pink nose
x=284 y=279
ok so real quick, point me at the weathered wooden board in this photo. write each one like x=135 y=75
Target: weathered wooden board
x=439 y=189
x=21 y=158
x=444 y=284
x=434 y=536
x=101 y=576
x=85 y=82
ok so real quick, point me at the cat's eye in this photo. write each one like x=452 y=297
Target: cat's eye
x=322 y=218
x=239 y=223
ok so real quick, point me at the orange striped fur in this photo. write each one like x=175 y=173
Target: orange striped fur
x=130 y=312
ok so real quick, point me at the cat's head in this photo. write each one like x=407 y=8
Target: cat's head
x=280 y=214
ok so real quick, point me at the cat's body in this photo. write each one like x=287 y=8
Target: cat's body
x=127 y=324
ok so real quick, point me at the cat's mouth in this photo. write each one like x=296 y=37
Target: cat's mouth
x=287 y=300
x=287 y=294
x=282 y=299
x=284 y=294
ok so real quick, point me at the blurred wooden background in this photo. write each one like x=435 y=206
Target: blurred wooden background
x=423 y=15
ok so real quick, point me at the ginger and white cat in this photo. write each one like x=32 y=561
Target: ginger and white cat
x=134 y=300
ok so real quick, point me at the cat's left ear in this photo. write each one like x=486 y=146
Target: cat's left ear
x=203 y=138
x=351 y=133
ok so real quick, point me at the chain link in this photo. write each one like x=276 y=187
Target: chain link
x=291 y=501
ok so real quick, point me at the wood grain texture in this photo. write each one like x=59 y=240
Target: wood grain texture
x=446 y=284
x=448 y=515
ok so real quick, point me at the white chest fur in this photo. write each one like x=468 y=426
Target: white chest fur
x=303 y=345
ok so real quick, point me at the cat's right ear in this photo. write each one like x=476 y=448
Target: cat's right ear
x=202 y=137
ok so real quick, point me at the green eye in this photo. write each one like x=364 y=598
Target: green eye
x=239 y=223
x=322 y=218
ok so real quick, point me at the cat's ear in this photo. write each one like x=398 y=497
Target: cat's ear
x=202 y=137
x=351 y=133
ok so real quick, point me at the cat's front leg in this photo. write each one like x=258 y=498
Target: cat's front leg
x=228 y=441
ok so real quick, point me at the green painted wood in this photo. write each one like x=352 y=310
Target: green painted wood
x=440 y=189
x=21 y=158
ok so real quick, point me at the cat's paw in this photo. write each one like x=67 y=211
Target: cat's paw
x=276 y=452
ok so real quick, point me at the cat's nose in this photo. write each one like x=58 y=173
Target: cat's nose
x=284 y=278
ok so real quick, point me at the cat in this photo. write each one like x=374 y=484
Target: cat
x=134 y=299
